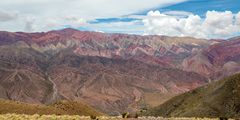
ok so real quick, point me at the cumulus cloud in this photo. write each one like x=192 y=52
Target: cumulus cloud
x=238 y=19
x=214 y=25
x=45 y=15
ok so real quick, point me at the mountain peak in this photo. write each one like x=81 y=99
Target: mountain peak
x=66 y=30
x=70 y=29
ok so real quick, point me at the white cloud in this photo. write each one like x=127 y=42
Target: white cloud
x=215 y=25
x=84 y=8
x=45 y=15
x=29 y=26
x=132 y=27
x=238 y=19
x=74 y=21
x=49 y=14
x=178 y=13
x=220 y=23
x=7 y=16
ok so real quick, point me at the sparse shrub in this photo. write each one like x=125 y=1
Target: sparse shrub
x=223 y=118
x=194 y=91
x=93 y=117
x=133 y=116
x=125 y=115
x=143 y=110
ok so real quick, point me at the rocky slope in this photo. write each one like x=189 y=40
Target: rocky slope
x=217 y=61
x=114 y=84
x=112 y=72
x=218 y=99
x=161 y=50
x=74 y=65
x=111 y=85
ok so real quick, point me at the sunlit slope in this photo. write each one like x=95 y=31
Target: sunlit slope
x=218 y=99
x=60 y=108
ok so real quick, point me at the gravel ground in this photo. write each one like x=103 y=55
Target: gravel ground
x=76 y=117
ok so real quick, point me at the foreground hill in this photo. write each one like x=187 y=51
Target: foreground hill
x=218 y=99
x=60 y=108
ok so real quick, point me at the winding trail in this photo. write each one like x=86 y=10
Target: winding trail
x=55 y=90
x=15 y=72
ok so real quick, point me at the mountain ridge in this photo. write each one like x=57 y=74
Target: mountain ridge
x=218 y=99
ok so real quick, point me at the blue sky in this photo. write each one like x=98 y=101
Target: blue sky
x=196 y=7
x=161 y=17
x=199 y=7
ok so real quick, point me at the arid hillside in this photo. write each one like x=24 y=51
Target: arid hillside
x=218 y=99
x=114 y=73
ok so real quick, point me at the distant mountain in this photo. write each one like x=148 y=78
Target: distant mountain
x=161 y=50
x=112 y=72
x=217 y=61
x=218 y=99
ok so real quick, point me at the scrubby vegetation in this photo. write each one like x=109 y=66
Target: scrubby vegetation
x=59 y=108
x=76 y=108
x=30 y=109
x=77 y=117
x=218 y=99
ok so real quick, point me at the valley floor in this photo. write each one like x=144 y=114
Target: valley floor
x=77 y=117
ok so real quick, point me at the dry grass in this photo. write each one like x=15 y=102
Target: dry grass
x=156 y=98
x=220 y=98
x=24 y=108
x=77 y=117
x=60 y=108
x=76 y=108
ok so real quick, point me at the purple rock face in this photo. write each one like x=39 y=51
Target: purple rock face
x=113 y=72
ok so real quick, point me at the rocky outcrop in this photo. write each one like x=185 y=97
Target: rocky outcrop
x=216 y=61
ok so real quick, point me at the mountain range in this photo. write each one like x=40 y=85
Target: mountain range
x=113 y=73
